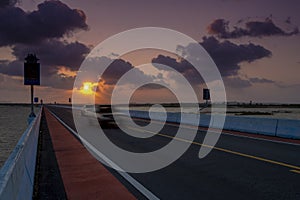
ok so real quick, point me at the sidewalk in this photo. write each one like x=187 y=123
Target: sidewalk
x=82 y=175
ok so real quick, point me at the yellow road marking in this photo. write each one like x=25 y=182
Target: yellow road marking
x=294 y=168
x=296 y=171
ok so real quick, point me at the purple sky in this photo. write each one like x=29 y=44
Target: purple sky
x=255 y=44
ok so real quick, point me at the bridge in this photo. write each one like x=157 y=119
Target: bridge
x=241 y=165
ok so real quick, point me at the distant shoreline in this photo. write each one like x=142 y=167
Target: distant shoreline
x=16 y=104
x=229 y=105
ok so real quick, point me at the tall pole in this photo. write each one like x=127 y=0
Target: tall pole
x=31 y=77
x=32 y=111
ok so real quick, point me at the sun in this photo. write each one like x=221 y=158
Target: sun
x=87 y=88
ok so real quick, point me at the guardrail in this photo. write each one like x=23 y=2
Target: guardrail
x=285 y=128
x=17 y=174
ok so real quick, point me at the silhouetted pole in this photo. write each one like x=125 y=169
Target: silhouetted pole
x=32 y=111
x=31 y=77
x=206 y=97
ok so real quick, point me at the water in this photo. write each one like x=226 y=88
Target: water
x=13 y=123
x=266 y=112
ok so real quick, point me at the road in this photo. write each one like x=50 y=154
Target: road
x=237 y=167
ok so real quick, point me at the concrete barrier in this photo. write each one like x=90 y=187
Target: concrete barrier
x=204 y=120
x=288 y=128
x=17 y=174
x=173 y=117
x=189 y=118
x=266 y=126
x=139 y=114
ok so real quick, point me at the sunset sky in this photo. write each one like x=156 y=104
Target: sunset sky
x=255 y=44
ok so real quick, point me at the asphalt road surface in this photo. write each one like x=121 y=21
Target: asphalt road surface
x=236 y=168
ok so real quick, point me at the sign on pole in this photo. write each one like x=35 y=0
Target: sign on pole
x=206 y=94
x=31 y=70
x=31 y=77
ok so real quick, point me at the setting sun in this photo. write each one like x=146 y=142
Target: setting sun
x=87 y=88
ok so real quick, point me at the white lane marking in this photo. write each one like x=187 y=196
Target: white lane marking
x=231 y=134
x=148 y=194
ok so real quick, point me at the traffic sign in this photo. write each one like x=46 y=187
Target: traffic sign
x=31 y=73
x=206 y=94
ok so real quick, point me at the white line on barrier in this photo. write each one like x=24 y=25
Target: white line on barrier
x=125 y=175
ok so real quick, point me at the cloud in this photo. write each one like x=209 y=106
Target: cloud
x=260 y=80
x=6 y=3
x=220 y=28
x=58 y=81
x=55 y=57
x=60 y=60
x=238 y=82
x=41 y=32
x=52 y=19
x=13 y=68
x=114 y=71
x=54 y=53
x=227 y=55
x=182 y=66
x=51 y=79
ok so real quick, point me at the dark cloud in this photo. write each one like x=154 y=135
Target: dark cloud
x=182 y=66
x=58 y=81
x=13 y=68
x=51 y=79
x=220 y=28
x=6 y=3
x=54 y=53
x=115 y=70
x=227 y=55
x=41 y=32
x=52 y=19
x=151 y=86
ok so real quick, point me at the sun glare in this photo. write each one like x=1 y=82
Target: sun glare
x=87 y=88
